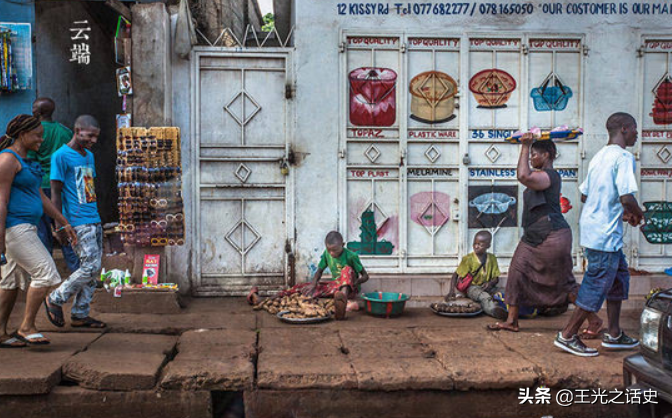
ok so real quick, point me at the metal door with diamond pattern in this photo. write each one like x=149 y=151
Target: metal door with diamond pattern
x=240 y=129
x=652 y=246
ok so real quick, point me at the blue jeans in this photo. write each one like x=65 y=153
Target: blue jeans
x=82 y=283
x=607 y=277
x=44 y=232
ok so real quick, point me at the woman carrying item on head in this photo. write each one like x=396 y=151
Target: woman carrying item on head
x=540 y=274
x=22 y=204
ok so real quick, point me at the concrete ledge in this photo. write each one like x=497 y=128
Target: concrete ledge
x=416 y=404
x=75 y=402
x=138 y=301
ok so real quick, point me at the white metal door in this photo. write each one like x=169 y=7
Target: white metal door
x=652 y=245
x=240 y=132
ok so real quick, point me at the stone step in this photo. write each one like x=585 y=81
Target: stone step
x=37 y=369
x=121 y=362
x=217 y=360
x=76 y=402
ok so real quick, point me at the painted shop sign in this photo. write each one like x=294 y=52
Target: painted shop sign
x=372 y=174
x=372 y=133
x=510 y=173
x=424 y=134
x=499 y=44
x=433 y=43
x=368 y=41
x=503 y=9
x=657 y=134
x=654 y=45
x=555 y=44
x=429 y=172
x=491 y=134
x=656 y=173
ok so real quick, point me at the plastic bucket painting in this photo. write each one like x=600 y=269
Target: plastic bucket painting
x=492 y=88
x=433 y=97
x=552 y=94
x=658 y=227
x=493 y=203
x=373 y=96
x=662 y=104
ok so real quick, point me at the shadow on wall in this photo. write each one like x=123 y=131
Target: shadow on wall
x=80 y=88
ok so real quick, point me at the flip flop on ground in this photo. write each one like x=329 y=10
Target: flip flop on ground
x=502 y=326
x=87 y=322
x=54 y=313
x=34 y=339
x=14 y=341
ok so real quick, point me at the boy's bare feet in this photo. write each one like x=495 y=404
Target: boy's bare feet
x=253 y=296
x=340 y=305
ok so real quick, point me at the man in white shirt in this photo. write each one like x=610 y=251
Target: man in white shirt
x=608 y=196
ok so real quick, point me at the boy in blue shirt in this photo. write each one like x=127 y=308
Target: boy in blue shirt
x=73 y=192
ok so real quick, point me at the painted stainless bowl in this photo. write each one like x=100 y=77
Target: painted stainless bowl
x=493 y=203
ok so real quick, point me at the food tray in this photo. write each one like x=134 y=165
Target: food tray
x=315 y=320
x=457 y=314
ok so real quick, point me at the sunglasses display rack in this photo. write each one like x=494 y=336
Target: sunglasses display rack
x=149 y=175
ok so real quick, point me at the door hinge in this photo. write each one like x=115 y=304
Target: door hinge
x=289 y=91
x=637 y=155
x=402 y=156
x=466 y=160
x=583 y=154
x=342 y=153
x=341 y=47
x=403 y=48
x=640 y=51
x=585 y=50
x=402 y=253
x=635 y=252
x=525 y=49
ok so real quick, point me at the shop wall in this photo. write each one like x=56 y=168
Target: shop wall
x=179 y=258
x=20 y=102
x=611 y=84
x=82 y=89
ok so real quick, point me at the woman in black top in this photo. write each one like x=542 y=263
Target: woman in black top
x=540 y=274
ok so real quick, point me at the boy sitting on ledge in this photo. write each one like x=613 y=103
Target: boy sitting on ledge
x=483 y=268
x=347 y=275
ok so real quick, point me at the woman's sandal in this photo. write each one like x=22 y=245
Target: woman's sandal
x=87 y=322
x=499 y=326
x=591 y=334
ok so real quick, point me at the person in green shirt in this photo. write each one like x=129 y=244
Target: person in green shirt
x=484 y=269
x=347 y=275
x=55 y=135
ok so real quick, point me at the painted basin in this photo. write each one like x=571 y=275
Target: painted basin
x=385 y=304
x=492 y=88
x=493 y=203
